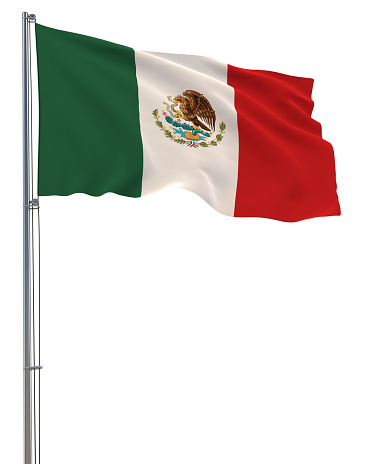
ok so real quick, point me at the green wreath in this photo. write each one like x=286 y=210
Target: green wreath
x=212 y=143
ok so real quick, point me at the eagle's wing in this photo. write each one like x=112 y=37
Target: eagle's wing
x=200 y=106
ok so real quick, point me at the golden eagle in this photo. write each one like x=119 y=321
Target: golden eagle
x=193 y=106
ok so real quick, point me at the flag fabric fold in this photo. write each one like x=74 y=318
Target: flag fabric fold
x=112 y=119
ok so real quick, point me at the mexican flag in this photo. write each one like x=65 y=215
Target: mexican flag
x=113 y=119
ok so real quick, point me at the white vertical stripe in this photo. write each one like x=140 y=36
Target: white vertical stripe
x=209 y=172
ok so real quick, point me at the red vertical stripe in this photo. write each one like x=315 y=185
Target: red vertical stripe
x=286 y=170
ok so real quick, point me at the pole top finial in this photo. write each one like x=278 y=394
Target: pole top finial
x=30 y=17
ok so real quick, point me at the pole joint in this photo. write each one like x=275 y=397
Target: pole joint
x=34 y=204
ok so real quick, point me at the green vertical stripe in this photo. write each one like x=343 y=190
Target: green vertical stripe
x=89 y=134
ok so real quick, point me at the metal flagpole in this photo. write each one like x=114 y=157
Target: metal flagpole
x=26 y=249
x=29 y=370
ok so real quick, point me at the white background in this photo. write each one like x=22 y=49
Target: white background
x=172 y=334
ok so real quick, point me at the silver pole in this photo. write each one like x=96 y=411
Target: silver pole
x=27 y=404
x=27 y=431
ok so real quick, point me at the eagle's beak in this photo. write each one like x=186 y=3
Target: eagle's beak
x=175 y=101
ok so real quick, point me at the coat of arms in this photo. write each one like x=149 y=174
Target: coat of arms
x=191 y=120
